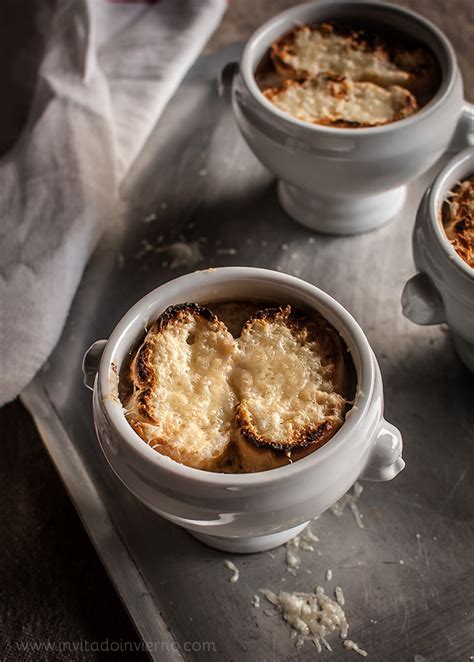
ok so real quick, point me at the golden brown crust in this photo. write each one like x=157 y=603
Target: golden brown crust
x=338 y=87
x=457 y=215
x=248 y=449
x=356 y=39
x=259 y=452
x=409 y=66
x=142 y=374
x=310 y=435
x=140 y=369
x=310 y=328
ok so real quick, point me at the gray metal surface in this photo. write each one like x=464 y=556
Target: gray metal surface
x=202 y=182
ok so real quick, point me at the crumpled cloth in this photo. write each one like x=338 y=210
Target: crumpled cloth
x=109 y=69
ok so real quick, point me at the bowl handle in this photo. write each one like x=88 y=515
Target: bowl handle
x=464 y=133
x=421 y=301
x=90 y=362
x=385 y=460
x=226 y=76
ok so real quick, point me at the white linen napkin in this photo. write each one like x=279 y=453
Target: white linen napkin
x=108 y=72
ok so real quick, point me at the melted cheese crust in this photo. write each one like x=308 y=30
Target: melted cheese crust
x=189 y=406
x=329 y=100
x=458 y=219
x=282 y=380
x=321 y=49
x=335 y=75
x=196 y=387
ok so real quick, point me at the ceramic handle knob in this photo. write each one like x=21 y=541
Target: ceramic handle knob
x=421 y=301
x=224 y=84
x=464 y=134
x=385 y=460
x=91 y=361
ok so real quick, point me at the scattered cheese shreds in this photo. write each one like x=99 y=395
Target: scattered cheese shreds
x=292 y=560
x=256 y=601
x=301 y=541
x=269 y=612
x=357 y=490
x=352 y=646
x=357 y=514
x=308 y=535
x=328 y=575
x=311 y=615
x=351 y=500
x=339 y=595
x=182 y=254
x=235 y=570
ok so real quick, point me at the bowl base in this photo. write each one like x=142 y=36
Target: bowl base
x=340 y=214
x=248 y=545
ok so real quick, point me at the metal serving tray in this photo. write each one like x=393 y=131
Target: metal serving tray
x=197 y=179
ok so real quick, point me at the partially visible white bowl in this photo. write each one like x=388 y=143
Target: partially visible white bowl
x=243 y=512
x=443 y=288
x=338 y=180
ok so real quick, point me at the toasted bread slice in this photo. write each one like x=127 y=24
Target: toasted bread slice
x=182 y=403
x=288 y=377
x=336 y=101
x=329 y=48
x=458 y=219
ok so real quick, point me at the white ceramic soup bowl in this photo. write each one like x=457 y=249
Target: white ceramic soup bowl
x=338 y=180
x=443 y=288
x=255 y=511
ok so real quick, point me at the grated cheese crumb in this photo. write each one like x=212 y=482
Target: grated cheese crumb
x=301 y=541
x=351 y=500
x=352 y=646
x=182 y=254
x=235 y=570
x=339 y=596
x=292 y=560
x=309 y=535
x=328 y=575
x=256 y=601
x=269 y=612
x=357 y=490
x=357 y=514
